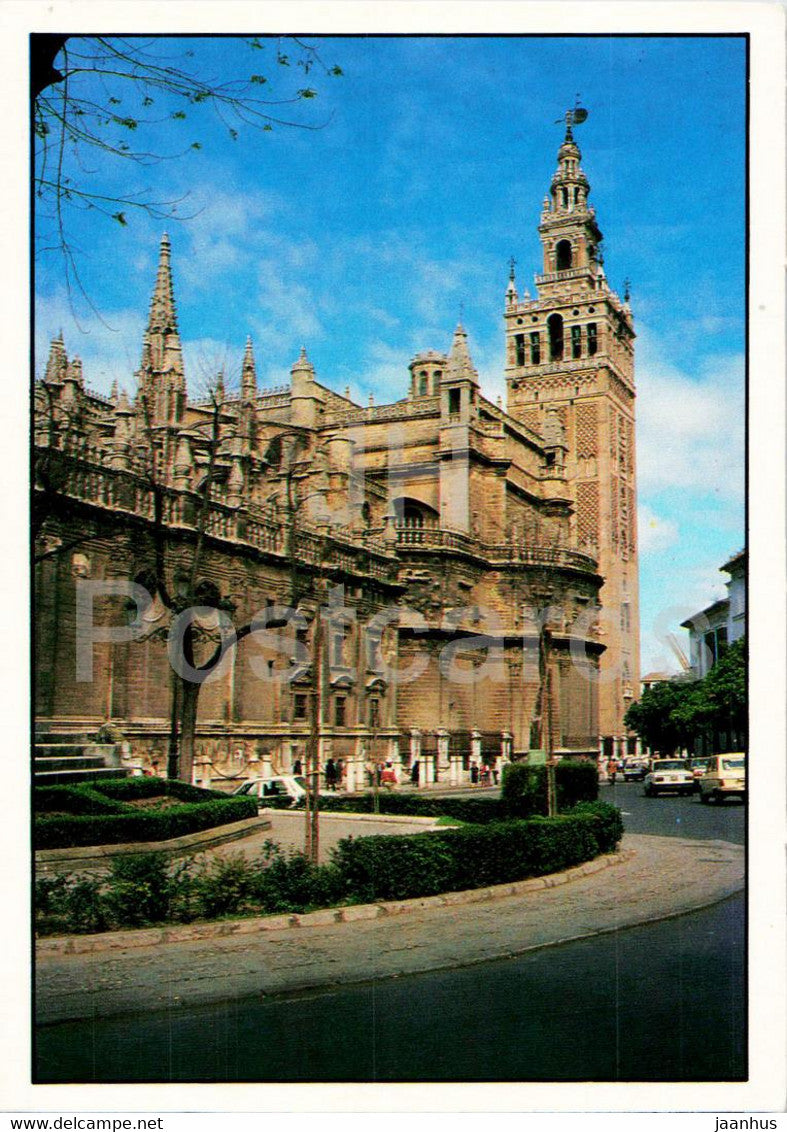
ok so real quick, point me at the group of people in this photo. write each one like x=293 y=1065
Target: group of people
x=483 y=774
x=384 y=774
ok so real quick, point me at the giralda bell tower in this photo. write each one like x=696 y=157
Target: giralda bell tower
x=571 y=349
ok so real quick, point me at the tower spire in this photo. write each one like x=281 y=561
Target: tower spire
x=460 y=363
x=248 y=374
x=163 y=316
x=161 y=378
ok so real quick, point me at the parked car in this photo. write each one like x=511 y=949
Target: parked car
x=669 y=776
x=698 y=767
x=634 y=770
x=281 y=786
x=724 y=777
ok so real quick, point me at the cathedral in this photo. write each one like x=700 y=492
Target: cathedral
x=439 y=580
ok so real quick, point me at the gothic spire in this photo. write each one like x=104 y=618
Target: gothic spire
x=163 y=316
x=161 y=351
x=57 y=362
x=248 y=374
x=459 y=361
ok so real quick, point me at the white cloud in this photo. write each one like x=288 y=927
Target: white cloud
x=109 y=344
x=655 y=533
x=690 y=429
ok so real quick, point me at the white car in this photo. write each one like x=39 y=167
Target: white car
x=724 y=777
x=281 y=786
x=669 y=776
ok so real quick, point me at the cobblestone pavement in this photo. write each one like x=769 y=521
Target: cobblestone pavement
x=657 y=877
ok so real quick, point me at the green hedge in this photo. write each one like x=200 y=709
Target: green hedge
x=146 y=888
x=524 y=788
x=524 y=795
x=101 y=814
x=396 y=868
x=76 y=799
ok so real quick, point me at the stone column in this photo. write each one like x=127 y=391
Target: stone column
x=443 y=743
x=266 y=770
x=393 y=756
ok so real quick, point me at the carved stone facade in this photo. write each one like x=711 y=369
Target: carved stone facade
x=453 y=546
x=571 y=350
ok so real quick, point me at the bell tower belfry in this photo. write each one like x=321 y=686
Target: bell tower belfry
x=570 y=352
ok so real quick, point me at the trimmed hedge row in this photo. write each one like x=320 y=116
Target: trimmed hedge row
x=524 y=795
x=524 y=788
x=146 y=888
x=100 y=814
x=74 y=800
x=397 y=868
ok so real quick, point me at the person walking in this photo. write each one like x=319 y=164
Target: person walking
x=330 y=774
x=388 y=777
x=415 y=773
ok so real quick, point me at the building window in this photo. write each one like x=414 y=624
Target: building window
x=563 y=255
x=519 y=340
x=535 y=347
x=374 y=713
x=555 y=328
x=423 y=387
x=454 y=402
x=564 y=198
x=373 y=660
x=340 y=711
x=299 y=705
x=576 y=341
x=592 y=338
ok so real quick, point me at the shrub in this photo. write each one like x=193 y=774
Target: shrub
x=139 y=889
x=75 y=799
x=394 y=868
x=609 y=823
x=524 y=788
x=111 y=829
x=223 y=886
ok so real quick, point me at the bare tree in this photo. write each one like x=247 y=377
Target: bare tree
x=99 y=103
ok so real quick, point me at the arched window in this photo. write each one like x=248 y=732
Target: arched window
x=564 y=197
x=563 y=255
x=555 y=329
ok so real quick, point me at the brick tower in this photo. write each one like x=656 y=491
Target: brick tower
x=570 y=351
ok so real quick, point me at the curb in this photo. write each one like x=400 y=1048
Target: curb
x=381 y=819
x=152 y=937
x=82 y=856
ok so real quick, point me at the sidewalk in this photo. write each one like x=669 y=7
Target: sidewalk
x=651 y=878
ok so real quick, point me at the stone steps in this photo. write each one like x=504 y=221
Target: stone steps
x=65 y=777
x=73 y=757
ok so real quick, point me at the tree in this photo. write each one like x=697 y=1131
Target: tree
x=657 y=717
x=677 y=713
x=101 y=105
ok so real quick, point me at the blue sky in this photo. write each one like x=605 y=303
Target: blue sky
x=365 y=239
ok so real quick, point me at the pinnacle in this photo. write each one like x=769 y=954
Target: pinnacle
x=162 y=305
x=459 y=356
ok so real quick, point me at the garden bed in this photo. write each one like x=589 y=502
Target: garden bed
x=129 y=810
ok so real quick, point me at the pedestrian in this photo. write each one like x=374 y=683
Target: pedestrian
x=297 y=767
x=495 y=774
x=474 y=773
x=485 y=775
x=612 y=768
x=415 y=772
x=388 y=777
x=330 y=774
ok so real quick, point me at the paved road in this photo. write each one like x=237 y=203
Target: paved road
x=658 y=1003
x=669 y=816
x=656 y=877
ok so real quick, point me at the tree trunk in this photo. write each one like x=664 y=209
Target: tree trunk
x=189 y=698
